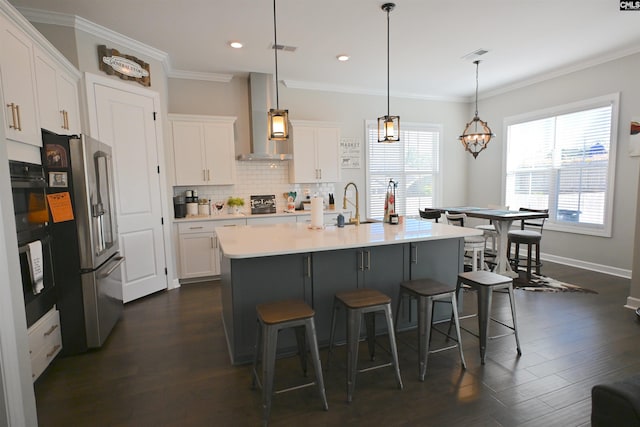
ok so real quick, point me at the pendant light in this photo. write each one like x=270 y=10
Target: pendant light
x=388 y=126
x=278 y=119
x=477 y=134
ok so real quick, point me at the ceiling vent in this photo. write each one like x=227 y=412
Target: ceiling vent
x=475 y=55
x=283 y=48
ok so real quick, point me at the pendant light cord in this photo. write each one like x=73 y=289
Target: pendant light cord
x=477 y=65
x=388 y=104
x=275 y=50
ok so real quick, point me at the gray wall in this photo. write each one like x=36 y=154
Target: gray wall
x=485 y=174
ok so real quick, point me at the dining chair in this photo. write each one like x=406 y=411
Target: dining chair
x=433 y=214
x=473 y=245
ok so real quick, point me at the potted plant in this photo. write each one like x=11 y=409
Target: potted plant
x=235 y=203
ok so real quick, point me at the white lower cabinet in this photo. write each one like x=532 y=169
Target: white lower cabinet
x=45 y=342
x=199 y=249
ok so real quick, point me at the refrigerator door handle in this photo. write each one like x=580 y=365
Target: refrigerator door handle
x=118 y=261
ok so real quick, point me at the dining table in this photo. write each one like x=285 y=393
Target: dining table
x=502 y=220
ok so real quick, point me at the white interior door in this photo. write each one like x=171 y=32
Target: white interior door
x=124 y=119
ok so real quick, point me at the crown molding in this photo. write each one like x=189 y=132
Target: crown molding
x=610 y=56
x=298 y=84
x=81 y=24
x=197 y=75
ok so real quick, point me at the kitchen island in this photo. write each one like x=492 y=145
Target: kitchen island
x=282 y=261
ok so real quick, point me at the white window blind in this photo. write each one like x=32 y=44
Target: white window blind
x=564 y=162
x=413 y=163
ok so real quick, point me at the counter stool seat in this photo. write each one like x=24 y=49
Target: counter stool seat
x=485 y=282
x=357 y=303
x=428 y=292
x=273 y=317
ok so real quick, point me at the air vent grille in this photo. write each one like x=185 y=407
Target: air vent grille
x=475 y=55
x=283 y=47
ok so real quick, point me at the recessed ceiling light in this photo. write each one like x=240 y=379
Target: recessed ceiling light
x=343 y=57
x=235 y=44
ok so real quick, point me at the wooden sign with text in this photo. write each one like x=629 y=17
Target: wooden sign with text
x=126 y=67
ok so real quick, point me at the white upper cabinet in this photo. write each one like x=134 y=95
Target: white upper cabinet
x=315 y=148
x=20 y=117
x=57 y=96
x=203 y=149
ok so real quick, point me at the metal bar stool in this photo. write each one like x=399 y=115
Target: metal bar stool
x=428 y=292
x=485 y=282
x=272 y=318
x=357 y=303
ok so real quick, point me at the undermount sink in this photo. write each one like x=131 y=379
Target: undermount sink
x=364 y=221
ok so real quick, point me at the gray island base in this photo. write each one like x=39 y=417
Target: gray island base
x=265 y=263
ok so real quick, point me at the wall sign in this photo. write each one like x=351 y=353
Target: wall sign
x=126 y=67
x=350 y=153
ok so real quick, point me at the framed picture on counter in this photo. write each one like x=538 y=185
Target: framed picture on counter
x=58 y=179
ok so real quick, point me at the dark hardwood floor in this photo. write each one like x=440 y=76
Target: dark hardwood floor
x=166 y=364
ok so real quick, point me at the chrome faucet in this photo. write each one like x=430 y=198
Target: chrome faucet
x=355 y=220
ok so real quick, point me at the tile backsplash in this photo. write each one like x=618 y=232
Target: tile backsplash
x=257 y=178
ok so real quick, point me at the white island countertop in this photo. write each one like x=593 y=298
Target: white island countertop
x=253 y=241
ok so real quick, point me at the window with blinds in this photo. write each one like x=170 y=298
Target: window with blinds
x=413 y=163
x=564 y=161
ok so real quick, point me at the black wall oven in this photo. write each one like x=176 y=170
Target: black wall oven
x=28 y=186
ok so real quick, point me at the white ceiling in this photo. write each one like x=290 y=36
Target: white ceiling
x=527 y=40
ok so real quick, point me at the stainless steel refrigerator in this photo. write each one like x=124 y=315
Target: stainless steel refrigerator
x=86 y=258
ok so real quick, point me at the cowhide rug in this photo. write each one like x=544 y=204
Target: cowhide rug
x=547 y=284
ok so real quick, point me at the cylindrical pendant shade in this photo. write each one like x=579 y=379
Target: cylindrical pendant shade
x=278 y=124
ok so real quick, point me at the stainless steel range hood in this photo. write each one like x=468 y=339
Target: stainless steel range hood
x=262 y=94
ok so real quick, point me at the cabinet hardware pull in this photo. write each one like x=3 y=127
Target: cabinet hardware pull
x=212 y=243
x=216 y=240
x=204 y=174
x=368 y=260
x=13 y=116
x=53 y=350
x=51 y=329
x=64 y=121
x=361 y=264
x=414 y=259
x=65 y=115
x=309 y=266
x=208 y=175
x=319 y=173
x=195 y=228
x=18 y=111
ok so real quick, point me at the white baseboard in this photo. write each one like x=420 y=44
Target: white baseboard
x=174 y=284
x=614 y=271
x=633 y=303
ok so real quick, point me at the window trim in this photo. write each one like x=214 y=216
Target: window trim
x=437 y=197
x=612 y=99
